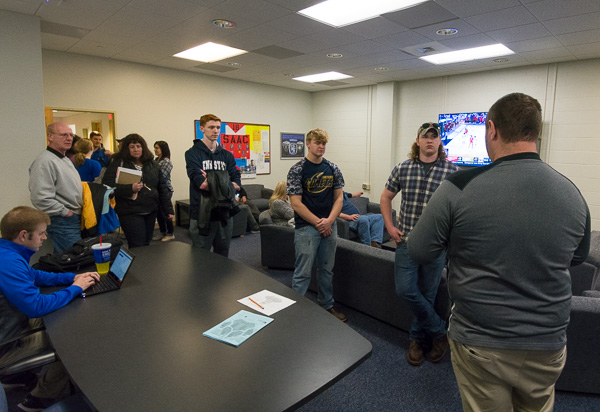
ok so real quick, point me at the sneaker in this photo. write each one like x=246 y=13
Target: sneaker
x=338 y=315
x=439 y=349
x=159 y=237
x=167 y=238
x=414 y=355
x=35 y=404
x=25 y=380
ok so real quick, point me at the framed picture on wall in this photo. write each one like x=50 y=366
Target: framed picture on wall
x=250 y=144
x=292 y=145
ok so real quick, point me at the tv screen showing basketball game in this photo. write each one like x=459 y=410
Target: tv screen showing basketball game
x=463 y=136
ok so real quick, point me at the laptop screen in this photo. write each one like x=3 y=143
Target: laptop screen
x=121 y=264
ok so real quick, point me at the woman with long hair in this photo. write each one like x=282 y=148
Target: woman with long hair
x=137 y=203
x=88 y=169
x=282 y=212
x=163 y=157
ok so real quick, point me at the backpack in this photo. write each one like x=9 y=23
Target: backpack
x=79 y=256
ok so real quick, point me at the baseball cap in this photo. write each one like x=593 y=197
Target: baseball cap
x=425 y=127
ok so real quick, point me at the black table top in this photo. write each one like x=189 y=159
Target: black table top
x=141 y=348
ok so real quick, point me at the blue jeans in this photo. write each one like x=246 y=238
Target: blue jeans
x=64 y=231
x=369 y=228
x=310 y=245
x=219 y=237
x=418 y=285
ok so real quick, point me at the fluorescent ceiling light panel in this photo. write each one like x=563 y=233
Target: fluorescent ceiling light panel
x=475 y=53
x=322 y=77
x=340 y=13
x=209 y=52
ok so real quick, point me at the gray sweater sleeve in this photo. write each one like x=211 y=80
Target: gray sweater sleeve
x=430 y=235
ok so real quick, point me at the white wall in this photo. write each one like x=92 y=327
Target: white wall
x=162 y=104
x=568 y=92
x=21 y=105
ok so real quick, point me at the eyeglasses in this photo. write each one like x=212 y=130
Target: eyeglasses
x=63 y=135
x=427 y=125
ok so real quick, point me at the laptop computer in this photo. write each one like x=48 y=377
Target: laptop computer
x=115 y=276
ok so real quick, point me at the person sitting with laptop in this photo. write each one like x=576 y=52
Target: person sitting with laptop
x=22 y=305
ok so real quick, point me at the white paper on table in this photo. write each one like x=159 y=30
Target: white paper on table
x=269 y=302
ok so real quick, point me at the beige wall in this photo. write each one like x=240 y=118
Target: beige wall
x=568 y=92
x=162 y=104
x=21 y=105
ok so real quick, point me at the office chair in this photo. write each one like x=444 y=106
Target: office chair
x=42 y=357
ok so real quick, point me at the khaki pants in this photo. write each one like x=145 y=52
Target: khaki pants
x=501 y=380
x=55 y=382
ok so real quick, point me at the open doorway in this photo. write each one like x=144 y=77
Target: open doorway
x=83 y=122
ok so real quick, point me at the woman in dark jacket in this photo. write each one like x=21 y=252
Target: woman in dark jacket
x=137 y=203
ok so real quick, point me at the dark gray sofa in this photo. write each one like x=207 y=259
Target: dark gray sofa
x=365 y=207
x=363 y=275
x=259 y=195
x=582 y=370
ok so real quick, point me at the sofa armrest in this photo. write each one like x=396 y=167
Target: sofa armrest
x=582 y=278
x=266 y=193
x=581 y=372
x=591 y=294
x=343 y=228
x=277 y=248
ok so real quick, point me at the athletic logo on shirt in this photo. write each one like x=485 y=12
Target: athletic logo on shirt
x=318 y=183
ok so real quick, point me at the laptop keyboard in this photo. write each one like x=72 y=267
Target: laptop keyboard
x=105 y=284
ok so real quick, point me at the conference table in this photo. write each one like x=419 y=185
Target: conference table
x=141 y=348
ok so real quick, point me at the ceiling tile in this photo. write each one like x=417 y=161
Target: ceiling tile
x=256 y=10
x=581 y=37
x=468 y=42
x=502 y=19
x=374 y=28
x=534 y=44
x=573 y=24
x=320 y=41
x=424 y=14
x=402 y=40
x=256 y=37
x=20 y=6
x=464 y=29
x=181 y=9
x=464 y=8
x=56 y=42
x=525 y=32
x=555 y=9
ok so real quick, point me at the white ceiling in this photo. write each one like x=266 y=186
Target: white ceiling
x=282 y=43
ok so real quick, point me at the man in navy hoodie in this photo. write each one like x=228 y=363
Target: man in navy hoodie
x=22 y=305
x=214 y=179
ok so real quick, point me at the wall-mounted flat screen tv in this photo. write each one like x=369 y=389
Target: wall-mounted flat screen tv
x=463 y=136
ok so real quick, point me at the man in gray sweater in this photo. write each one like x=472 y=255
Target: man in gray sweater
x=55 y=188
x=512 y=229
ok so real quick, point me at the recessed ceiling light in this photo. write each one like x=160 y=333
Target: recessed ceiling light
x=234 y=64
x=340 y=13
x=501 y=60
x=209 y=52
x=288 y=74
x=446 y=32
x=381 y=69
x=475 y=53
x=224 y=24
x=322 y=77
x=335 y=55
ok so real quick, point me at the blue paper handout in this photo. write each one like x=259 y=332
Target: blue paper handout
x=239 y=327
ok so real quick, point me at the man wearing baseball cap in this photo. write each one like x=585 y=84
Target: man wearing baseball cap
x=417 y=178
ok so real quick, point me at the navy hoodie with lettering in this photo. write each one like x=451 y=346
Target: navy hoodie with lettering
x=198 y=158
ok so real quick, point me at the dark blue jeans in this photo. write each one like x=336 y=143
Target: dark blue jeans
x=418 y=285
x=64 y=231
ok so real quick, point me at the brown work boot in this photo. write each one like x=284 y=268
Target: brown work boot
x=337 y=314
x=414 y=356
x=439 y=349
x=376 y=244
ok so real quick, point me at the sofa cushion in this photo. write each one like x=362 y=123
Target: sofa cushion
x=361 y=203
x=254 y=191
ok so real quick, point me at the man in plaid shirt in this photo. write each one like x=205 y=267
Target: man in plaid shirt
x=417 y=178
